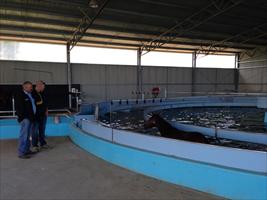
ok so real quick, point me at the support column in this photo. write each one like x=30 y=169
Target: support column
x=194 y=65
x=69 y=74
x=236 y=78
x=139 y=87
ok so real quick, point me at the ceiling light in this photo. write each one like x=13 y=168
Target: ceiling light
x=93 y=4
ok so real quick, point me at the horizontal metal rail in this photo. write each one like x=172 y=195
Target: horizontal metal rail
x=255 y=94
x=223 y=93
x=12 y=112
x=60 y=110
x=252 y=61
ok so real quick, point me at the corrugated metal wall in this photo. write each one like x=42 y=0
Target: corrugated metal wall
x=253 y=74
x=16 y=72
x=214 y=80
x=100 y=82
x=103 y=82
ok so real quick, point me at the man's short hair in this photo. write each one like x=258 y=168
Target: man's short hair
x=40 y=81
x=27 y=82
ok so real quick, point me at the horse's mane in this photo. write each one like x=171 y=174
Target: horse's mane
x=160 y=122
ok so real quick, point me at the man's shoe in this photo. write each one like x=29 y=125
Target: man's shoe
x=35 y=149
x=46 y=146
x=30 y=153
x=25 y=156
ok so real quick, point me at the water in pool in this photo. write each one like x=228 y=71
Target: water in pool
x=233 y=118
x=249 y=119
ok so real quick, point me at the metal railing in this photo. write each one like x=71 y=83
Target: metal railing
x=221 y=93
x=12 y=113
x=165 y=94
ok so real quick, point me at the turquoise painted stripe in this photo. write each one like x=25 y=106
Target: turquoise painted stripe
x=212 y=179
x=9 y=128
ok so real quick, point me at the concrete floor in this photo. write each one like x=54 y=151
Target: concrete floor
x=68 y=172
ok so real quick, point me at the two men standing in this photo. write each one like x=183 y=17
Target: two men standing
x=31 y=110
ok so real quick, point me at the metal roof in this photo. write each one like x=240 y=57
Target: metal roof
x=169 y=25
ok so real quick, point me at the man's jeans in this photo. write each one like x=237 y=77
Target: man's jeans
x=26 y=130
x=38 y=135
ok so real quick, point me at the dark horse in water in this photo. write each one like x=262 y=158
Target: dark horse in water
x=168 y=131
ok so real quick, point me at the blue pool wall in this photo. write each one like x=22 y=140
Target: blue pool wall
x=10 y=128
x=211 y=154
x=225 y=182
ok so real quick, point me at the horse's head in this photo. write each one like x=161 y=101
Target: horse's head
x=151 y=122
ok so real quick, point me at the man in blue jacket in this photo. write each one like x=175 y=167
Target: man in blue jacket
x=25 y=110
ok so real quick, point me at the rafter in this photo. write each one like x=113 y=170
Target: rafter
x=245 y=55
x=214 y=9
x=240 y=38
x=87 y=20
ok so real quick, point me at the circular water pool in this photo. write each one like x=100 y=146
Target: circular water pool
x=248 y=119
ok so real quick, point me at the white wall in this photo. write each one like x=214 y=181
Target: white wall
x=104 y=82
x=16 y=72
x=253 y=73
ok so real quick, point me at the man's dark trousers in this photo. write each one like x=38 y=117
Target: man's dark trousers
x=39 y=132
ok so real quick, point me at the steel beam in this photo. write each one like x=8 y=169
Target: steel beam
x=85 y=42
x=66 y=7
x=69 y=81
x=237 y=64
x=194 y=65
x=170 y=17
x=108 y=36
x=240 y=39
x=139 y=86
x=85 y=23
x=56 y=37
x=214 y=9
x=244 y=55
x=105 y=36
x=107 y=22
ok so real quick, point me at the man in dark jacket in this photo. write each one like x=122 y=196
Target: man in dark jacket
x=25 y=110
x=41 y=116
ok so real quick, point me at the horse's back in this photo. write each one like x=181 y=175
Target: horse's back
x=189 y=136
x=168 y=131
x=199 y=137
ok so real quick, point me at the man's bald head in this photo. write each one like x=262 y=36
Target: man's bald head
x=27 y=86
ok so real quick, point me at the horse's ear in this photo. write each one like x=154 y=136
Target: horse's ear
x=155 y=114
x=148 y=116
x=160 y=112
